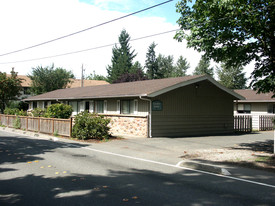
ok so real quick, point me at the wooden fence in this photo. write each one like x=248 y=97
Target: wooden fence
x=242 y=123
x=266 y=122
x=51 y=126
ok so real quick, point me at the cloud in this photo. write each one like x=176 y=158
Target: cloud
x=30 y=22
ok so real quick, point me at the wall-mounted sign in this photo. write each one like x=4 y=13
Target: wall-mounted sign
x=157 y=105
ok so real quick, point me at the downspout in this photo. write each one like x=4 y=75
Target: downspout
x=150 y=115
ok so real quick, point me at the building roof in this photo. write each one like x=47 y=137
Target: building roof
x=147 y=88
x=26 y=82
x=86 y=83
x=252 y=96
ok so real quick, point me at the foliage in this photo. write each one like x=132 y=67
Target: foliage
x=181 y=67
x=166 y=66
x=132 y=77
x=46 y=79
x=232 y=77
x=122 y=59
x=39 y=112
x=10 y=88
x=151 y=62
x=89 y=125
x=61 y=111
x=15 y=111
x=16 y=123
x=18 y=104
x=94 y=76
x=235 y=32
x=204 y=67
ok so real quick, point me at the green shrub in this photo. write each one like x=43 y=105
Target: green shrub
x=39 y=112
x=11 y=111
x=89 y=125
x=15 y=111
x=16 y=123
x=62 y=111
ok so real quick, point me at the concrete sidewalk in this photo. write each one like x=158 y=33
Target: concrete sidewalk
x=170 y=150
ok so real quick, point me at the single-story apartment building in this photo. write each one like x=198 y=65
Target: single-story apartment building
x=172 y=107
x=255 y=104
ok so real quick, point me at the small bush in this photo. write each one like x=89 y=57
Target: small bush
x=15 y=111
x=62 y=111
x=39 y=112
x=89 y=125
x=11 y=111
x=17 y=123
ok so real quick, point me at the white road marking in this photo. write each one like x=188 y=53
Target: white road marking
x=177 y=166
x=161 y=163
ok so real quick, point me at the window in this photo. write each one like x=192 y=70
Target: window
x=99 y=106
x=271 y=109
x=34 y=105
x=87 y=106
x=127 y=106
x=244 y=108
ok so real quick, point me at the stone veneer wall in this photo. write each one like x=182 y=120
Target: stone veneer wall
x=128 y=125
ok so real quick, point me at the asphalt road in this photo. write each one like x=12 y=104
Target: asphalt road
x=42 y=172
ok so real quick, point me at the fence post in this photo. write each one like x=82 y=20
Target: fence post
x=71 y=126
x=53 y=126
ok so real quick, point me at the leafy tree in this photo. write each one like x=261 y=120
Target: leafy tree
x=232 y=77
x=48 y=79
x=235 y=32
x=204 y=67
x=181 y=67
x=151 y=63
x=122 y=59
x=10 y=88
x=94 y=76
x=166 y=66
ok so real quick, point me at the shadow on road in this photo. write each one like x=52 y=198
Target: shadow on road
x=133 y=187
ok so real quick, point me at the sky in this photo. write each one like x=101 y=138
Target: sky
x=31 y=22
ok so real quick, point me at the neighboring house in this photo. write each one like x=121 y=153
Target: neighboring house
x=254 y=104
x=182 y=106
x=26 y=84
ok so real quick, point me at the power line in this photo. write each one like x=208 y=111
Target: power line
x=89 y=28
x=89 y=49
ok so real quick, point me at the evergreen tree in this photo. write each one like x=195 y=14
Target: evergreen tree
x=122 y=59
x=166 y=66
x=232 y=77
x=151 y=62
x=204 y=67
x=181 y=67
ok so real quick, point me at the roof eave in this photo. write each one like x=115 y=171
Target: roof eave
x=193 y=81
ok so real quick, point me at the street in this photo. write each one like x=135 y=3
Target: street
x=42 y=172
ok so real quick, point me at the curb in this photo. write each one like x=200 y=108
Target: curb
x=204 y=167
x=31 y=134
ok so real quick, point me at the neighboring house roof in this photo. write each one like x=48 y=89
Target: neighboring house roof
x=86 y=83
x=26 y=82
x=252 y=96
x=147 y=88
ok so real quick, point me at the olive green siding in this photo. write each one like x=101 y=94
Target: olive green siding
x=197 y=109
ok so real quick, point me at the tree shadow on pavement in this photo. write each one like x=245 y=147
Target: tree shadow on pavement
x=117 y=187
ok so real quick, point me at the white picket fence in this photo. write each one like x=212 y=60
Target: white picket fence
x=259 y=122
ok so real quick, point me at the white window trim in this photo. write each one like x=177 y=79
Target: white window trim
x=118 y=107
x=135 y=106
x=91 y=106
x=105 y=107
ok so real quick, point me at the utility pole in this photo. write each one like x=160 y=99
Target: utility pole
x=82 y=76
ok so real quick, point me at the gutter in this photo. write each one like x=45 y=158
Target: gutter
x=150 y=115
